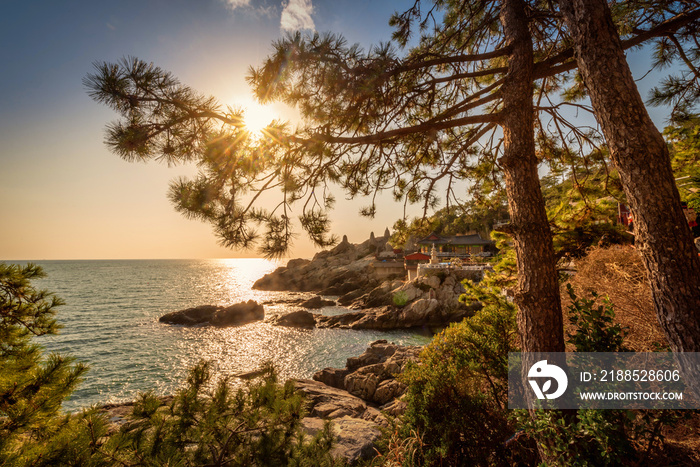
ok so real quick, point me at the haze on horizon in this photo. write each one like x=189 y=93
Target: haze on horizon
x=63 y=195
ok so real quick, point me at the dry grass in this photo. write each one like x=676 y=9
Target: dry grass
x=618 y=272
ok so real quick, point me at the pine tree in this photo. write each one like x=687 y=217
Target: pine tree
x=459 y=105
x=32 y=386
x=642 y=159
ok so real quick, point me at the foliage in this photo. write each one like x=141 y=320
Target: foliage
x=257 y=425
x=166 y=121
x=595 y=328
x=680 y=90
x=416 y=121
x=400 y=298
x=596 y=437
x=505 y=268
x=684 y=142
x=581 y=197
x=457 y=395
x=32 y=387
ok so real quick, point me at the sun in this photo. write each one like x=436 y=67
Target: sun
x=256 y=117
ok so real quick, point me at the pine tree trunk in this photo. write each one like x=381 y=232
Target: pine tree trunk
x=641 y=157
x=537 y=297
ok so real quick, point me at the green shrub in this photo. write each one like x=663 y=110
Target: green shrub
x=257 y=425
x=596 y=437
x=457 y=395
x=400 y=298
x=595 y=327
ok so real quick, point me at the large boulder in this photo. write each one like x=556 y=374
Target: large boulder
x=316 y=303
x=190 y=316
x=333 y=377
x=331 y=403
x=372 y=375
x=299 y=319
x=234 y=315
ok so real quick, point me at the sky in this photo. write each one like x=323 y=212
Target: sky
x=63 y=195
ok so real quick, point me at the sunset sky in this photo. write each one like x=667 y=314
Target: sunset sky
x=62 y=194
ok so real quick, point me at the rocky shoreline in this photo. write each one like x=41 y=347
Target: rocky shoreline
x=357 y=398
x=360 y=397
x=345 y=272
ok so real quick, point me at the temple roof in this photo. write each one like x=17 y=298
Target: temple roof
x=417 y=256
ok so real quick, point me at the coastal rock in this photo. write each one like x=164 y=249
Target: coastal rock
x=431 y=300
x=299 y=318
x=379 y=296
x=333 y=377
x=346 y=287
x=316 y=303
x=354 y=438
x=422 y=313
x=350 y=297
x=332 y=272
x=372 y=375
x=388 y=390
x=190 y=316
x=394 y=408
x=233 y=315
x=330 y=403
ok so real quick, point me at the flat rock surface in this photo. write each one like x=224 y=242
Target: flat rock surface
x=355 y=438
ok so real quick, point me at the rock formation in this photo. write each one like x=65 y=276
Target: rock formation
x=233 y=315
x=295 y=319
x=316 y=302
x=431 y=301
x=356 y=397
x=343 y=269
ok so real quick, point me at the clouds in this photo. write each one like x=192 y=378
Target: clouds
x=297 y=15
x=233 y=4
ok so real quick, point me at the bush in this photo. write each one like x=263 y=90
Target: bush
x=258 y=425
x=596 y=437
x=400 y=298
x=595 y=327
x=457 y=394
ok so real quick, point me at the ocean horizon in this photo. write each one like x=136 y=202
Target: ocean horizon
x=110 y=322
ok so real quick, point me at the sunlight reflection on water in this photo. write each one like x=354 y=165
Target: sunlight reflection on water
x=111 y=323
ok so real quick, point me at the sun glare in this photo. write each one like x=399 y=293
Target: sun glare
x=257 y=117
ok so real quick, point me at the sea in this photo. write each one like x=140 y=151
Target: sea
x=110 y=322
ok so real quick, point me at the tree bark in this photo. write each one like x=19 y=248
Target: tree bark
x=641 y=156
x=537 y=295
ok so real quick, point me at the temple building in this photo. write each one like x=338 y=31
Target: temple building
x=455 y=246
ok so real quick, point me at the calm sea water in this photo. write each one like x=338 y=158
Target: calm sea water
x=111 y=323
